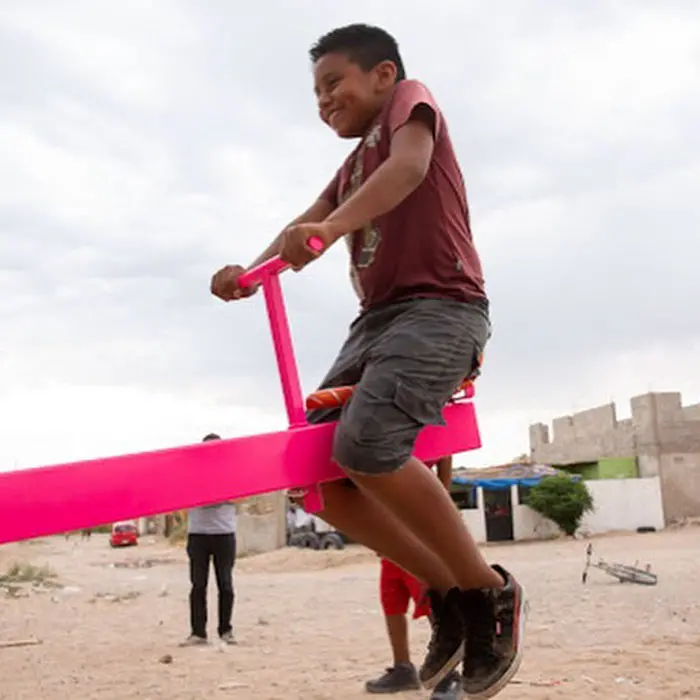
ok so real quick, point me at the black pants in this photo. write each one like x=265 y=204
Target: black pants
x=201 y=549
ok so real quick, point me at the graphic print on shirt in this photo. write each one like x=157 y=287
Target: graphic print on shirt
x=370 y=234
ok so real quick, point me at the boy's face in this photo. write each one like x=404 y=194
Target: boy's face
x=349 y=98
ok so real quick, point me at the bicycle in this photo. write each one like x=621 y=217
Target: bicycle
x=622 y=572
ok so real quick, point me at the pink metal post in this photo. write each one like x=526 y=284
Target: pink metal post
x=284 y=352
x=267 y=274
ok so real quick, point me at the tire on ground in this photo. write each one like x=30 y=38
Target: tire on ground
x=298 y=539
x=332 y=540
x=313 y=541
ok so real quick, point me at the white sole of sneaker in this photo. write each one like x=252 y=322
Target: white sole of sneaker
x=508 y=676
x=450 y=666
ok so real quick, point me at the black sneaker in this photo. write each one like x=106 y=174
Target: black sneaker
x=395 y=680
x=495 y=625
x=449 y=688
x=446 y=646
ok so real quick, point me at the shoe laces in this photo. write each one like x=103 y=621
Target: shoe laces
x=482 y=631
x=437 y=613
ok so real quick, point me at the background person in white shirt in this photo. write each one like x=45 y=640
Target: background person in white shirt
x=211 y=536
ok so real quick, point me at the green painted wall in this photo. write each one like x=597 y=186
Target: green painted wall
x=618 y=468
x=612 y=468
x=586 y=470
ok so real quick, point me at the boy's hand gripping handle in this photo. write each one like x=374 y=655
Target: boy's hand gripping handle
x=273 y=266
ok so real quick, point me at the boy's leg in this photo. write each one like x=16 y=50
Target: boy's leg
x=418 y=500
x=382 y=532
x=363 y=517
x=425 y=348
x=397 y=630
x=377 y=528
x=395 y=597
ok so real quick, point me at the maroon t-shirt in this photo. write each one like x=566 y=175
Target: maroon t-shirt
x=424 y=246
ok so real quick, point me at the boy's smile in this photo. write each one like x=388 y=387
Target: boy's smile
x=350 y=98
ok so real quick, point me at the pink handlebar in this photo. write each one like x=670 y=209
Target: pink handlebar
x=273 y=266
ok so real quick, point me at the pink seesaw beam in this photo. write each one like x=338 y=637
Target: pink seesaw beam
x=56 y=499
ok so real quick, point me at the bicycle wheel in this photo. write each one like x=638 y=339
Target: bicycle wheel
x=628 y=574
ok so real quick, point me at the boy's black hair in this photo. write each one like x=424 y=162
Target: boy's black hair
x=211 y=436
x=363 y=44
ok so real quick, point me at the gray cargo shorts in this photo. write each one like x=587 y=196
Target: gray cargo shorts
x=406 y=359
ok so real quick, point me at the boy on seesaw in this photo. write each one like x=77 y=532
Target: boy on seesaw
x=399 y=201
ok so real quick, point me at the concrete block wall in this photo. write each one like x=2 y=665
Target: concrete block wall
x=680 y=485
x=583 y=437
x=692 y=412
x=663 y=434
x=262 y=525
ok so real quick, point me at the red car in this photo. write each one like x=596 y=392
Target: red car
x=124 y=535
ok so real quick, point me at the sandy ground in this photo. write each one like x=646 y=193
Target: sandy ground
x=309 y=624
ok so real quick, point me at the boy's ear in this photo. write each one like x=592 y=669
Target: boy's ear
x=386 y=73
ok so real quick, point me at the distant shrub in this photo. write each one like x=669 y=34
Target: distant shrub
x=562 y=500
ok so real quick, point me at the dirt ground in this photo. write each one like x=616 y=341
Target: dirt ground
x=309 y=624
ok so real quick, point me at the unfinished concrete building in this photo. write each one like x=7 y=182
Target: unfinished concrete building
x=662 y=435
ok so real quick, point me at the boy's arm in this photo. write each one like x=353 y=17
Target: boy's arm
x=316 y=213
x=224 y=283
x=414 y=123
x=392 y=181
x=444 y=471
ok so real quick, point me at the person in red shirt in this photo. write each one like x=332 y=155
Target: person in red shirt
x=399 y=202
x=397 y=588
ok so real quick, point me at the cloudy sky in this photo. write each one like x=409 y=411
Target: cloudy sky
x=143 y=145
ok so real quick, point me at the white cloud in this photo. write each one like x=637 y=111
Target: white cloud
x=58 y=423
x=125 y=52
x=74 y=177
x=587 y=79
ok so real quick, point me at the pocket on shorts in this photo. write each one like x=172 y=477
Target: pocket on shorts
x=418 y=405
